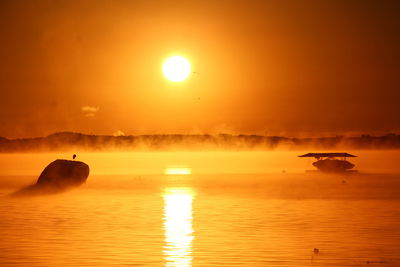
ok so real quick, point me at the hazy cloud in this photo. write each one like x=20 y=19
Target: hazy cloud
x=89 y=111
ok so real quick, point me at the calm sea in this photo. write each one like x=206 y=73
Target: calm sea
x=203 y=209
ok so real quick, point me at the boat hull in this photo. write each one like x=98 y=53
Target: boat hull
x=333 y=165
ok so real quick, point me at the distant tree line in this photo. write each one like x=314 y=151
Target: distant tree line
x=69 y=141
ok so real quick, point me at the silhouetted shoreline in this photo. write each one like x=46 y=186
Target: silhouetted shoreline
x=69 y=141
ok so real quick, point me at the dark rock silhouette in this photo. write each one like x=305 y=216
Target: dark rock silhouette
x=58 y=176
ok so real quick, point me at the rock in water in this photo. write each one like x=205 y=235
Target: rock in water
x=58 y=176
x=63 y=173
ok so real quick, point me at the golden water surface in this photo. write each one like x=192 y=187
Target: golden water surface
x=203 y=209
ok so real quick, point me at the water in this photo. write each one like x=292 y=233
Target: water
x=194 y=209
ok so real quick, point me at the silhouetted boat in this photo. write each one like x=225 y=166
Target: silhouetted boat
x=329 y=162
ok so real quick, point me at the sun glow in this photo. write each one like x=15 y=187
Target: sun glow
x=176 y=69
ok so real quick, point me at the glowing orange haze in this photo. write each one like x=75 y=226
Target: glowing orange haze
x=259 y=67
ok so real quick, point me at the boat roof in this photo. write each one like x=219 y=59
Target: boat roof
x=328 y=155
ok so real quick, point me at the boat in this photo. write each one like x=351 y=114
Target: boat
x=331 y=162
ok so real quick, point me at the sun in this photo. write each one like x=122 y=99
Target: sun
x=176 y=69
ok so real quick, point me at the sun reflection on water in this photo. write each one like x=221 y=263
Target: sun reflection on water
x=177 y=170
x=178 y=226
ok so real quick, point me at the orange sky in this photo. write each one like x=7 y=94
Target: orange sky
x=265 y=67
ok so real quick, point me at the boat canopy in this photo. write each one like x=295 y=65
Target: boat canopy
x=327 y=155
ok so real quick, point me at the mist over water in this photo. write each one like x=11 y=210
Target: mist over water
x=203 y=209
x=205 y=162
